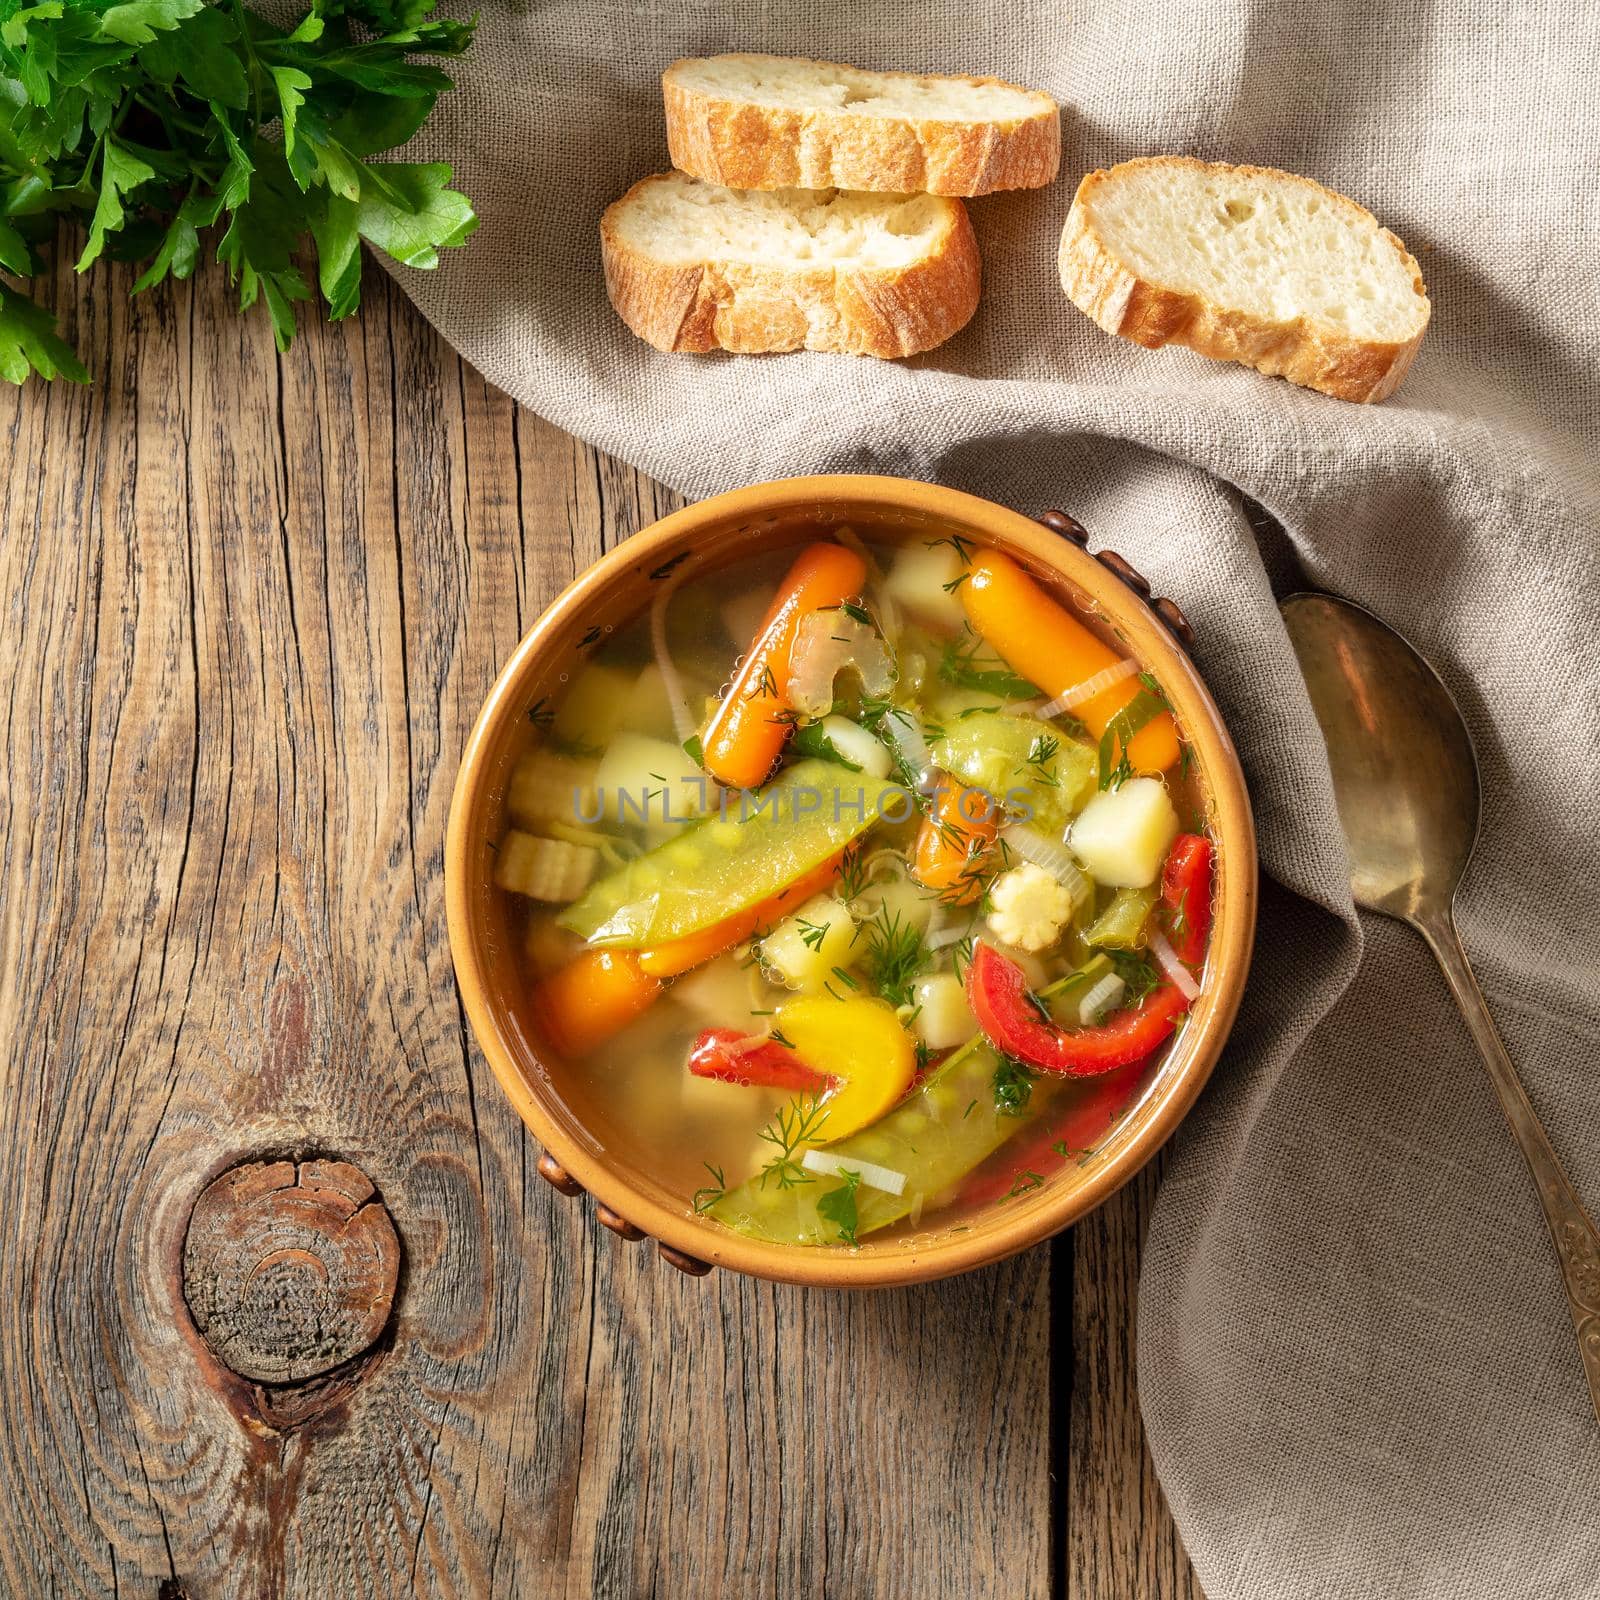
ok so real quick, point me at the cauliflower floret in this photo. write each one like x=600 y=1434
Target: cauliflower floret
x=1028 y=908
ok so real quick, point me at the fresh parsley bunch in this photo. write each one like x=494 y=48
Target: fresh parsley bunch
x=158 y=119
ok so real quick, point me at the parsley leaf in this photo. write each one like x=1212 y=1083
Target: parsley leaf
x=838 y=1206
x=28 y=342
x=154 y=122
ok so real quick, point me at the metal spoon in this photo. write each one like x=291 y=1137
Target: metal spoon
x=1406 y=780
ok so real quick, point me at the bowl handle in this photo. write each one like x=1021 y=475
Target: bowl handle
x=563 y=1182
x=1167 y=610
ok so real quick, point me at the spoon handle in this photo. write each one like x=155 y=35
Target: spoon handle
x=1576 y=1239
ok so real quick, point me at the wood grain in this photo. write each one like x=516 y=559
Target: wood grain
x=1119 y=1538
x=252 y=603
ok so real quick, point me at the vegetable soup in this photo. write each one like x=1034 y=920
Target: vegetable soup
x=860 y=887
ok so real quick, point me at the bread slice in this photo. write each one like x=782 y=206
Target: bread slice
x=776 y=122
x=695 y=266
x=1246 y=264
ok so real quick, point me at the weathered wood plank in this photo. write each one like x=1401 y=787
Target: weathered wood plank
x=1119 y=1541
x=252 y=605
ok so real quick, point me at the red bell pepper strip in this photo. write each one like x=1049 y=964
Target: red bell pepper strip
x=1061 y=1139
x=1186 y=896
x=721 y=1053
x=997 y=991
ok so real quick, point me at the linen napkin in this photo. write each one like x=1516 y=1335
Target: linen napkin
x=1356 y=1364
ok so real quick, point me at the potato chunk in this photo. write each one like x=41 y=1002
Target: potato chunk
x=807 y=945
x=1123 y=835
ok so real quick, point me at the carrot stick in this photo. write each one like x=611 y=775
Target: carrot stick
x=668 y=960
x=599 y=993
x=1048 y=646
x=747 y=731
x=583 y=1003
x=953 y=842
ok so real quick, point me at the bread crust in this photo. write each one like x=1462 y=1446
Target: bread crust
x=1306 y=351
x=753 y=307
x=748 y=146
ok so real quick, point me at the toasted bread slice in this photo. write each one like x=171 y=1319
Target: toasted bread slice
x=776 y=122
x=1246 y=264
x=695 y=266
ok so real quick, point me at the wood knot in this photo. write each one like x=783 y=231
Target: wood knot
x=289 y=1268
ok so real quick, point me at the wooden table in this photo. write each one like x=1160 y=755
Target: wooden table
x=251 y=606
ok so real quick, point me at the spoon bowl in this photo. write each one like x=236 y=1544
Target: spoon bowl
x=1406 y=775
x=1406 y=782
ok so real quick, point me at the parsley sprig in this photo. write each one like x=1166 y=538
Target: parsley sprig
x=838 y=1206
x=158 y=122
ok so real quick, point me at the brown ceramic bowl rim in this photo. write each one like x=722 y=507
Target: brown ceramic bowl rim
x=1185 y=1070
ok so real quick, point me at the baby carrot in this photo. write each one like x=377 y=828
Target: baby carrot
x=600 y=992
x=583 y=1003
x=953 y=841
x=668 y=960
x=747 y=731
x=1039 y=639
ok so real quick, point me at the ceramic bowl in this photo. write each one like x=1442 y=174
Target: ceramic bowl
x=618 y=588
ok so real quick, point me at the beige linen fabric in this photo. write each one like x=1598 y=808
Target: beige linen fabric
x=1356 y=1365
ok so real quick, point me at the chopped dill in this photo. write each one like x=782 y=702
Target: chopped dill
x=1178 y=921
x=796 y=1124
x=845 y=978
x=1013 y=1087
x=895 y=956
x=852 y=874
x=962 y=547
x=541 y=713
x=1114 y=777
x=874 y=708
x=1139 y=974
x=1041 y=756
x=812 y=933
x=1144 y=707
x=1022 y=1184
x=709 y=1194
x=856 y=611
x=963 y=665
